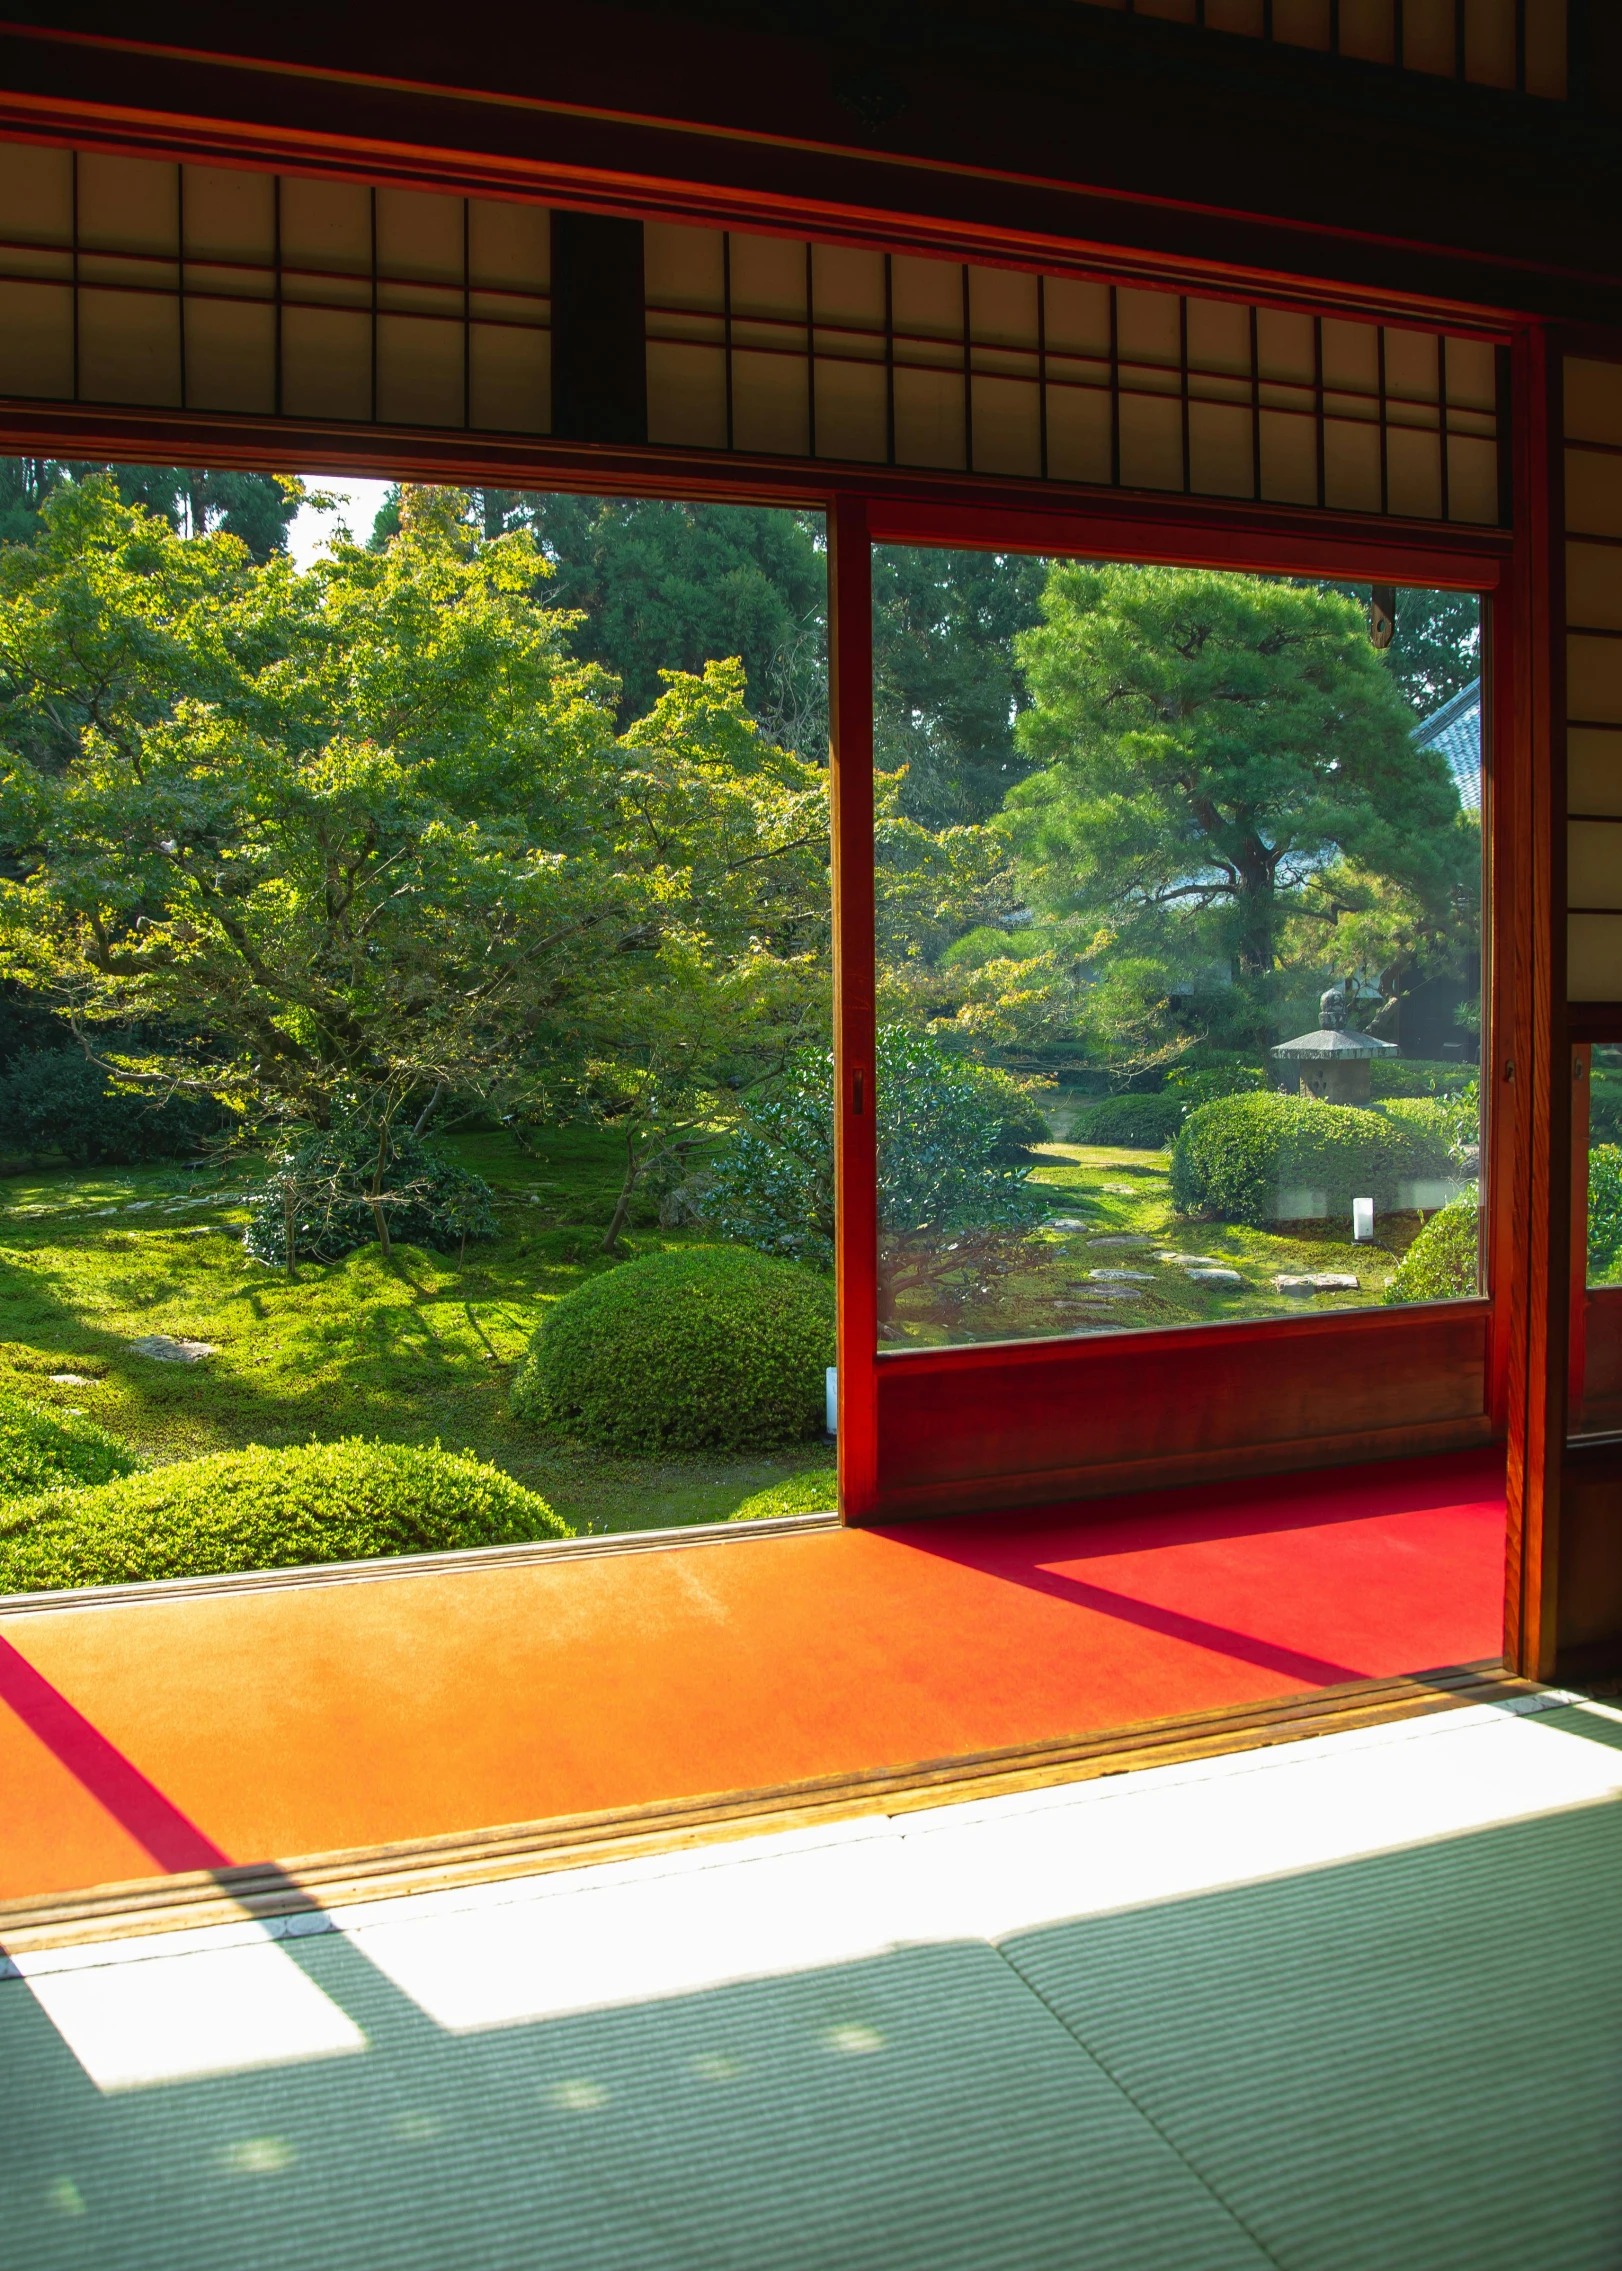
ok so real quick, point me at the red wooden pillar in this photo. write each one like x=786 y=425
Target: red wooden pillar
x=850 y=650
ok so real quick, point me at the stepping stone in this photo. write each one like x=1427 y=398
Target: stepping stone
x=1319 y=1281
x=137 y=1206
x=1120 y=1277
x=71 y=1379
x=1192 y=1261
x=1299 y=1288
x=1122 y=1190
x=169 y=1351
x=1216 y=1277
x=1121 y=1238
x=1065 y=1222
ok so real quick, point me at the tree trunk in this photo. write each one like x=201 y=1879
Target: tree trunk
x=622 y=1205
x=378 y=1210
x=290 y=1223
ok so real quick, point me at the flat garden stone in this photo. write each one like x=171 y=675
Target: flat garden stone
x=1120 y=1238
x=1216 y=1277
x=1192 y=1261
x=1065 y=1222
x=1119 y=1277
x=167 y=1350
x=71 y=1379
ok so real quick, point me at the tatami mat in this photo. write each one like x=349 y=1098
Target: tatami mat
x=1353 y=2003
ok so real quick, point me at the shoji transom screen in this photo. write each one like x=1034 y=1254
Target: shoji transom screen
x=1593 y=430
x=145 y=283
x=771 y=346
x=133 y=281
x=1515 y=44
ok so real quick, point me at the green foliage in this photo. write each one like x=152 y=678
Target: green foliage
x=265 y=1509
x=1226 y=780
x=341 y=1178
x=1196 y=1084
x=1604 y=1211
x=1138 y=1123
x=1239 y=1157
x=707 y=1347
x=370 y=830
x=1418 y=1076
x=1437 y=647
x=1024 y=1123
x=1444 y=1261
x=953 y=1146
x=946 y=679
x=56 y=1100
x=813 y=1491
x=254 y=507
x=668 y=586
x=42 y=1449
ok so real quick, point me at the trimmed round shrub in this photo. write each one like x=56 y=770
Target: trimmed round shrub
x=1260 y=1158
x=41 y=1449
x=704 y=1348
x=1443 y=1262
x=1604 y=1210
x=1133 y=1123
x=427 y=1200
x=266 y=1509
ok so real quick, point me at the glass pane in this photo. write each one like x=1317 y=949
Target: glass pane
x=405 y=908
x=1180 y=931
x=1596 y=1354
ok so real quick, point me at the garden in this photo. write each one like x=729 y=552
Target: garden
x=415 y=1088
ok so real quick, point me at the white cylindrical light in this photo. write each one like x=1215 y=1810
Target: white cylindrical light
x=1362 y=1218
x=833 y=1399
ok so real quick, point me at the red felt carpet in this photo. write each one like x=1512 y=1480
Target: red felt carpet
x=275 y=1724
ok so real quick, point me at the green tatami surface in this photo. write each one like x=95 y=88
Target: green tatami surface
x=1401 y=2060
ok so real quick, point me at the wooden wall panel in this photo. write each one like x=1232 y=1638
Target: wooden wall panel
x=1036 y=1421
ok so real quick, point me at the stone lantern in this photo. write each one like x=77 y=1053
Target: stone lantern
x=1333 y=1063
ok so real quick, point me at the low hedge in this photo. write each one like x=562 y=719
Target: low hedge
x=56 y=1100
x=703 y=1348
x=1242 y=1158
x=42 y=1449
x=266 y=1509
x=1444 y=1261
x=1133 y=1123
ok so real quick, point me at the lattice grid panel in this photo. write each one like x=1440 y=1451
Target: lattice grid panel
x=141 y=282
x=1593 y=432
x=1519 y=45
x=773 y=346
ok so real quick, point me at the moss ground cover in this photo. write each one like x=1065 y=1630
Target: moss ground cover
x=414 y=1353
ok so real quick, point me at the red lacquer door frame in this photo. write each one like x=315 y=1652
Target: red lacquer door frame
x=906 y=1415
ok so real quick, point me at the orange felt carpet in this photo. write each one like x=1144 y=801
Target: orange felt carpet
x=175 y=1734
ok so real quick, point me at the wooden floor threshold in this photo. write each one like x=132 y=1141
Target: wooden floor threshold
x=308 y=1887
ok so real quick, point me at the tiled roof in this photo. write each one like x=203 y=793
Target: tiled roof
x=1455 y=729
